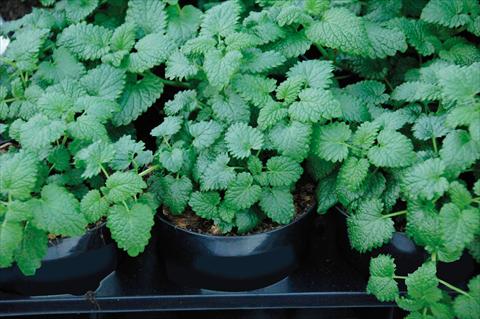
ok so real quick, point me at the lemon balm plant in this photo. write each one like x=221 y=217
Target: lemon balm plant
x=73 y=79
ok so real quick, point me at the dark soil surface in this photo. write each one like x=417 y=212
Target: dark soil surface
x=304 y=199
x=14 y=9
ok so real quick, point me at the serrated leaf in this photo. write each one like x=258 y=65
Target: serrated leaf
x=148 y=15
x=330 y=141
x=220 y=68
x=283 y=171
x=353 y=172
x=87 y=41
x=393 y=150
x=314 y=105
x=18 y=174
x=367 y=228
x=128 y=152
x=150 y=51
x=426 y=180
x=458 y=226
x=205 y=133
x=58 y=212
x=241 y=139
x=40 y=131
x=174 y=192
x=95 y=156
x=120 y=186
x=241 y=192
x=137 y=98
x=230 y=108
x=291 y=140
x=246 y=220
x=93 y=206
x=104 y=81
x=277 y=203
x=11 y=235
x=171 y=159
x=221 y=19
x=30 y=252
x=217 y=174
x=271 y=114
x=205 y=204
x=130 y=228
x=381 y=282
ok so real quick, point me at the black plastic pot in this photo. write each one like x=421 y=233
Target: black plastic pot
x=233 y=263
x=72 y=265
x=408 y=256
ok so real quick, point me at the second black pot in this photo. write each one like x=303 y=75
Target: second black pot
x=72 y=265
x=234 y=263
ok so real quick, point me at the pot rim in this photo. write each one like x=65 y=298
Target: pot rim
x=307 y=213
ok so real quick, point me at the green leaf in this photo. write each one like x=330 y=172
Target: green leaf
x=128 y=152
x=326 y=194
x=381 y=282
x=174 y=192
x=93 y=206
x=86 y=41
x=150 y=51
x=18 y=174
x=120 y=186
x=459 y=195
x=183 y=24
x=221 y=19
x=24 y=50
x=422 y=285
x=32 y=249
x=58 y=212
x=178 y=66
x=148 y=15
x=314 y=105
x=171 y=159
x=220 y=68
x=130 y=228
x=458 y=226
x=341 y=29
x=468 y=307
x=59 y=158
x=94 y=156
x=241 y=139
x=88 y=128
x=277 y=203
x=217 y=175
x=77 y=10
x=205 y=133
x=315 y=73
x=254 y=88
x=393 y=150
x=230 y=108
x=104 y=81
x=385 y=42
x=416 y=91
x=430 y=126
x=330 y=141
x=39 y=132
x=241 y=192
x=426 y=180
x=246 y=220
x=271 y=114
x=353 y=172
x=11 y=235
x=459 y=151
x=291 y=140
x=137 y=98
x=367 y=228
x=171 y=125
x=205 y=204
x=448 y=13
x=283 y=171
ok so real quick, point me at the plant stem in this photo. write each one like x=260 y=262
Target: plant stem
x=399 y=277
x=176 y=83
x=401 y=212
x=325 y=53
x=388 y=84
x=149 y=170
x=9 y=100
x=452 y=287
x=104 y=171
x=434 y=142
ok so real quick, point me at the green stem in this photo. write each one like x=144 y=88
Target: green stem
x=149 y=170
x=325 y=53
x=434 y=142
x=399 y=277
x=452 y=287
x=388 y=84
x=9 y=100
x=176 y=83
x=104 y=171
x=434 y=257
x=352 y=147
x=64 y=140
x=401 y=212
x=126 y=206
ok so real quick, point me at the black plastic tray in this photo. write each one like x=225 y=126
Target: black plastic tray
x=324 y=280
